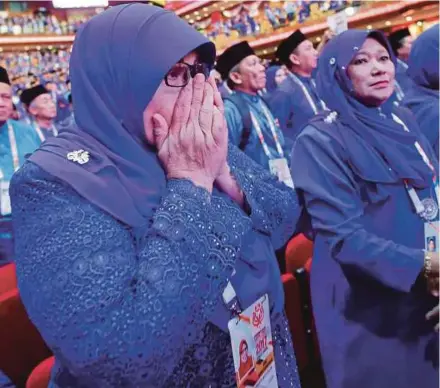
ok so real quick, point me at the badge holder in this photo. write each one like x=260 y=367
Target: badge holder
x=428 y=210
x=5 y=200
x=280 y=168
x=251 y=341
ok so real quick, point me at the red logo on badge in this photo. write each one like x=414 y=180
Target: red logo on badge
x=258 y=315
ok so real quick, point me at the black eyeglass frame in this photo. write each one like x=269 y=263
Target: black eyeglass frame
x=197 y=68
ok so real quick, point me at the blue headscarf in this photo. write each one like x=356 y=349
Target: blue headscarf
x=271 y=83
x=379 y=149
x=118 y=61
x=423 y=62
x=423 y=97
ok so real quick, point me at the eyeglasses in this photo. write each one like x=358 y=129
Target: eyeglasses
x=180 y=74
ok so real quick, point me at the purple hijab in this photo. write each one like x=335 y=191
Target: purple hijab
x=118 y=61
x=379 y=149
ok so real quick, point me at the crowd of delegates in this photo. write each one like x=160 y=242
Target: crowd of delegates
x=150 y=221
x=247 y=20
x=38 y=24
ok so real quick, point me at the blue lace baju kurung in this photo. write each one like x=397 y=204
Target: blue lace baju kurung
x=126 y=307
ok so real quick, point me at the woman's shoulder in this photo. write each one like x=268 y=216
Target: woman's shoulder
x=30 y=175
x=322 y=130
x=32 y=186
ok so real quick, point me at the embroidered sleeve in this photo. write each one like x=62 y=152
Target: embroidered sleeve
x=275 y=209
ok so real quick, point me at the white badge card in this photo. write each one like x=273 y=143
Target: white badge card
x=5 y=200
x=280 y=168
x=252 y=346
x=338 y=22
x=432 y=236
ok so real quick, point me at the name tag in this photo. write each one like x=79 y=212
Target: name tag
x=252 y=346
x=5 y=200
x=280 y=168
x=431 y=236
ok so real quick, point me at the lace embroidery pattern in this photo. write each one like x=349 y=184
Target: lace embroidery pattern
x=122 y=312
x=275 y=207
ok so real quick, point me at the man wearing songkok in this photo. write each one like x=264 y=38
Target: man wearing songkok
x=401 y=43
x=296 y=100
x=251 y=125
x=16 y=140
x=42 y=111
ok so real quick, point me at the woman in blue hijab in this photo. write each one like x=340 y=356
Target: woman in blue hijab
x=140 y=235
x=274 y=76
x=423 y=97
x=366 y=180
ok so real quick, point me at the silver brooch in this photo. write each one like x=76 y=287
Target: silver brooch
x=331 y=117
x=431 y=209
x=80 y=156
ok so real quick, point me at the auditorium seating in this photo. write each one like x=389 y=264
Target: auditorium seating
x=298 y=251
x=40 y=376
x=8 y=280
x=22 y=347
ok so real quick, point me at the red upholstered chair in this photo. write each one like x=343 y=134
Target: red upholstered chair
x=40 y=376
x=8 y=279
x=308 y=268
x=21 y=346
x=298 y=250
x=294 y=316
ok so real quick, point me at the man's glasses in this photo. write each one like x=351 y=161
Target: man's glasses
x=181 y=73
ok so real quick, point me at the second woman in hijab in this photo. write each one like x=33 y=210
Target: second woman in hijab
x=367 y=180
x=124 y=253
x=423 y=97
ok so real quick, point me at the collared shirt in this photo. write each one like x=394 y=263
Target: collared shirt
x=402 y=82
x=294 y=103
x=12 y=156
x=254 y=148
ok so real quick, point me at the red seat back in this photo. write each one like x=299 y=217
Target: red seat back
x=298 y=250
x=21 y=346
x=40 y=376
x=295 y=318
x=8 y=279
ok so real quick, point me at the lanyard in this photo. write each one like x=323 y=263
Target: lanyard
x=230 y=299
x=403 y=64
x=40 y=132
x=14 y=149
x=306 y=93
x=418 y=205
x=273 y=129
x=416 y=144
x=399 y=91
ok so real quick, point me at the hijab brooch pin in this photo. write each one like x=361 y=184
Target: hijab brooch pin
x=331 y=117
x=80 y=156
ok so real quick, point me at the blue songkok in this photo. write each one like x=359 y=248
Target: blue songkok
x=114 y=77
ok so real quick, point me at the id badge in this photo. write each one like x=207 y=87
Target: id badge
x=280 y=168
x=5 y=200
x=431 y=236
x=252 y=346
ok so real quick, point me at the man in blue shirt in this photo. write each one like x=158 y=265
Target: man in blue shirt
x=16 y=140
x=251 y=125
x=42 y=110
x=401 y=42
x=296 y=100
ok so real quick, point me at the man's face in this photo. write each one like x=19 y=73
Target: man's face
x=6 y=107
